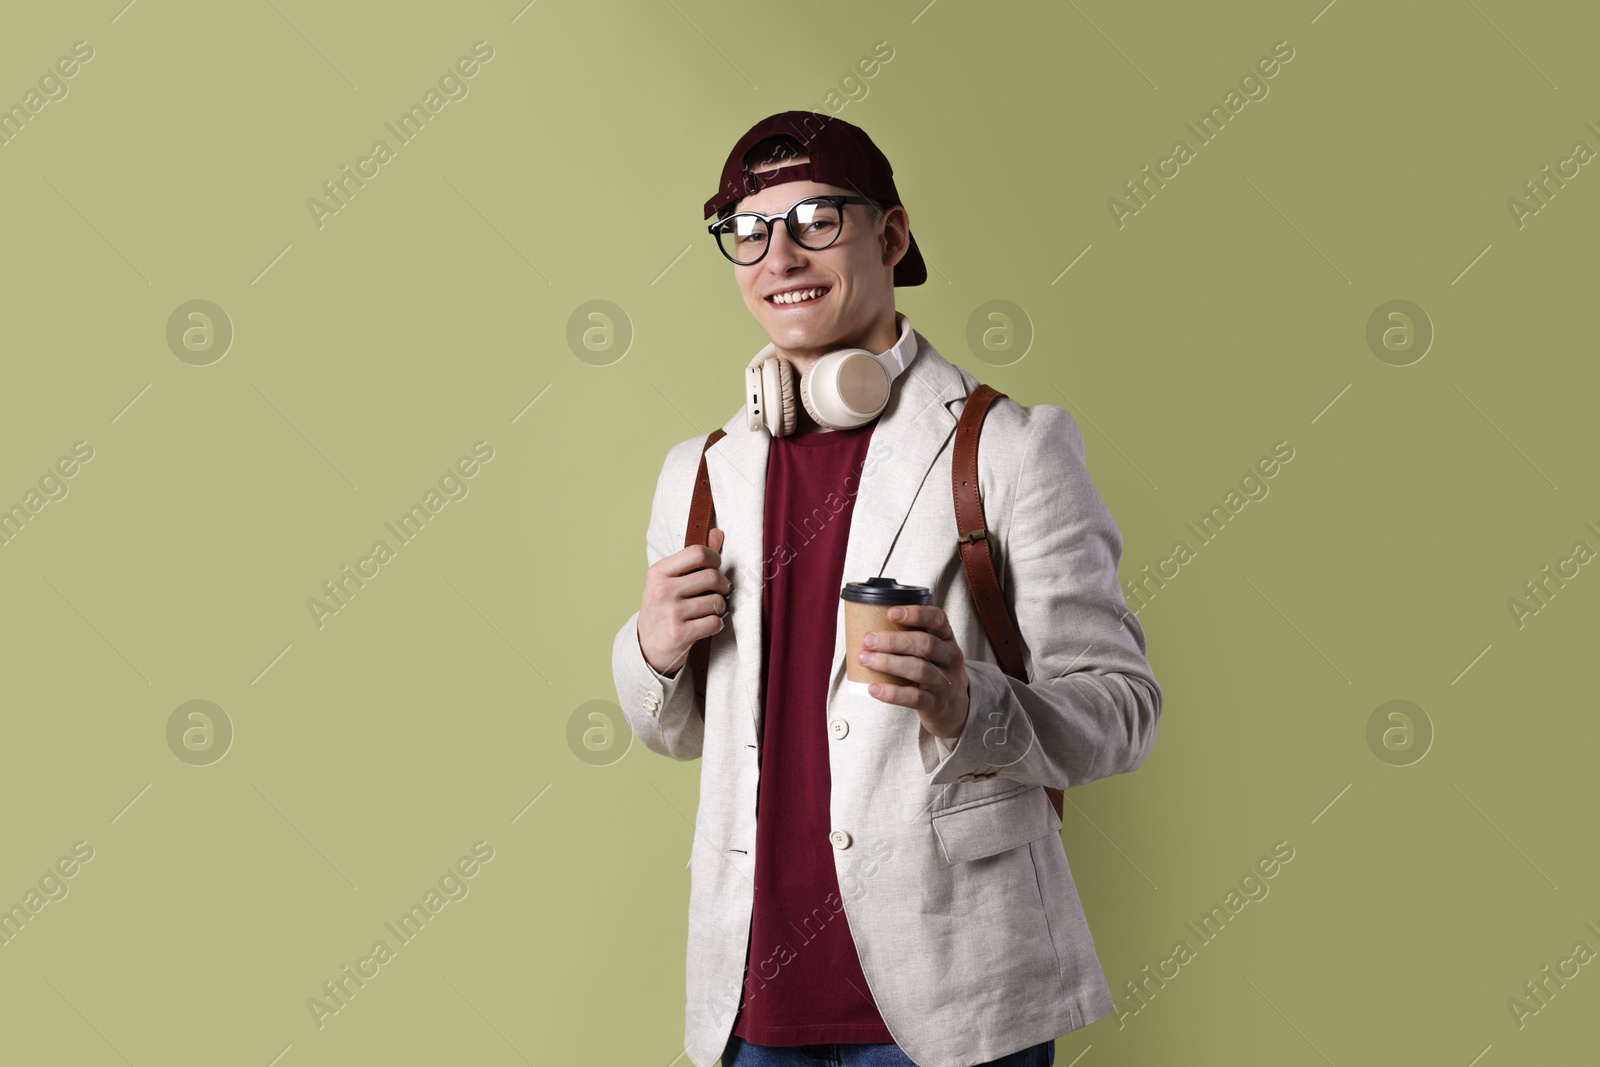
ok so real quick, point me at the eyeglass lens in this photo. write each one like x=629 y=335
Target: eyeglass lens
x=815 y=224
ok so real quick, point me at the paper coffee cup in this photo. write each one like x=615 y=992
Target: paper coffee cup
x=866 y=608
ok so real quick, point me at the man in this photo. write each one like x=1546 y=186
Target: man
x=876 y=874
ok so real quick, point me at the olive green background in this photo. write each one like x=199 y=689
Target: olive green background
x=445 y=703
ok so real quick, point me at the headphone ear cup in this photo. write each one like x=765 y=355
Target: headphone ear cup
x=771 y=388
x=786 y=390
x=805 y=398
x=852 y=385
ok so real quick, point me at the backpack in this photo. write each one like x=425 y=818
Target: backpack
x=976 y=556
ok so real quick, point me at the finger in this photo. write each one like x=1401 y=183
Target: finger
x=704 y=580
x=923 y=617
x=912 y=668
x=905 y=696
x=705 y=604
x=688 y=560
x=701 y=627
x=914 y=643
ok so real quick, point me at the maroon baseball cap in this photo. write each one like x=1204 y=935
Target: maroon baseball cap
x=838 y=154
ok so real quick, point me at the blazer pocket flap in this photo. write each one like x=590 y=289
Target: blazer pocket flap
x=994 y=824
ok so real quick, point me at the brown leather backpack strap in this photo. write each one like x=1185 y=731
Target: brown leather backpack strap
x=699 y=533
x=977 y=557
x=976 y=554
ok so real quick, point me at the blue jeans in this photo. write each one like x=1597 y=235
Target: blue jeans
x=742 y=1053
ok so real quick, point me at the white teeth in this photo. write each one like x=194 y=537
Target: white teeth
x=796 y=296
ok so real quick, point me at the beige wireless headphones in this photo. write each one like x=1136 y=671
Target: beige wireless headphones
x=844 y=389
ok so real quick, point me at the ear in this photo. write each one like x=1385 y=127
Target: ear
x=896 y=235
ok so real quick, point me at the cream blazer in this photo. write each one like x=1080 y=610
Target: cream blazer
x=950 y=863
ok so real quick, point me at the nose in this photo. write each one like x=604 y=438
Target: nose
x=783 y=253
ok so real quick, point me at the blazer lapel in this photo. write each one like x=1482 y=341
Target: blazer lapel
x=737 y=468
x=909 y=436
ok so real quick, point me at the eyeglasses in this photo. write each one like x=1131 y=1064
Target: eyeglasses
x=814 y=223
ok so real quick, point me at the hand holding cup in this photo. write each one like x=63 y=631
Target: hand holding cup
x=902 y=649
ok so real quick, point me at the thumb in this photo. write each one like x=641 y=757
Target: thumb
x=714 y=540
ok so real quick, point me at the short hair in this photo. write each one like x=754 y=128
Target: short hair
x=774 y=149
x=781 y=146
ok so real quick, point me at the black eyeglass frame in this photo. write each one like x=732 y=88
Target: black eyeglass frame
x=836 y=200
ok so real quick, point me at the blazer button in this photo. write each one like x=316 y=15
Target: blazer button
x=838 y=728
x=967 y=778
x=840 y=839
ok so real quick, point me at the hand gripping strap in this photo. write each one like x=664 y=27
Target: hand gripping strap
x=976 y=555
x=699 y=533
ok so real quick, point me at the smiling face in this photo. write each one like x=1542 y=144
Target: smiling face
x=839 y=297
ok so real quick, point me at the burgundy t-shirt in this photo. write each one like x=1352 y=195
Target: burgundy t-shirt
x=803 y=981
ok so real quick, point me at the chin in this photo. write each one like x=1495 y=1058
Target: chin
x=795 y=337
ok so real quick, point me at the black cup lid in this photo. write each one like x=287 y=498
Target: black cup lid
x=886 y=591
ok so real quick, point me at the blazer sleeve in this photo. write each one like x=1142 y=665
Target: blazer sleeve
x=662 y=711
x=1091 y=706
